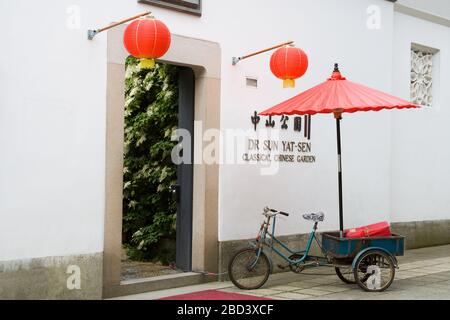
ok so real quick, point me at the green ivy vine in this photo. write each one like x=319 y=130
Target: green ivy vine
x=151 y=115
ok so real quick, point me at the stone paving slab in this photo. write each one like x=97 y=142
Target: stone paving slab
x=334 y=288
x=313 y=292
x=303 y=284
x=284 y=288
x=290 y=296
x=258 y=293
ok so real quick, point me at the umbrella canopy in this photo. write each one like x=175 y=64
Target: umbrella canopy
x=338 y=95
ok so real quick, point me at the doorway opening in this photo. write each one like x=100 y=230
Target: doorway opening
x=204 y=57
x=157 y=194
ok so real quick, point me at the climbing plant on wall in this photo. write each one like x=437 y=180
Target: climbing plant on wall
x=151 y=115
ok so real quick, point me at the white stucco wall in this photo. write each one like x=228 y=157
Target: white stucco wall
x=420 y=156
x=53 y=101
x=52 y=133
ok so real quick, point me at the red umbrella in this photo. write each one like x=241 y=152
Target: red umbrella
x=338 y=95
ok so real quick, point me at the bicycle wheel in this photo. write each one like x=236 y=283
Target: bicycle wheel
x=346 y=274
x=247 y=271
x=375 y=271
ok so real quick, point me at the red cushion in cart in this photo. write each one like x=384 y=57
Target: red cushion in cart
x=381 y=229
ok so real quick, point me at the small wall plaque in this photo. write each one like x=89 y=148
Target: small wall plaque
x=187 y=6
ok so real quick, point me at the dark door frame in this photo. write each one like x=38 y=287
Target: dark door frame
x=186 y=116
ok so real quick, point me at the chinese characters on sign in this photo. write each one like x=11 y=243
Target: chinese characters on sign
x=267 y=151
x=300 y=124
x=256 y=119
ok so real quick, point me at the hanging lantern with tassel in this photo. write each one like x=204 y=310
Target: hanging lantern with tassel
x=147 y=39
x=289 y=63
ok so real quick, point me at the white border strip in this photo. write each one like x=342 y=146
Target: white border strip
x=421 y=14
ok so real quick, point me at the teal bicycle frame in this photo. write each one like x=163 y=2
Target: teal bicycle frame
x=268 y=239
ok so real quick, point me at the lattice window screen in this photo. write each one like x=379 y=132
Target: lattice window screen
x=422 y=77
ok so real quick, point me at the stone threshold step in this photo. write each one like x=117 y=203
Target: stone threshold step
x=136 y=286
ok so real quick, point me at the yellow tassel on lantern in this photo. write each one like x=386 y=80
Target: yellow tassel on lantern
x=288 y=83
x=147 y=63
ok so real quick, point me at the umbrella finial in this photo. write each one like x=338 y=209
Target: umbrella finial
x=336 y=67
x=336 y=73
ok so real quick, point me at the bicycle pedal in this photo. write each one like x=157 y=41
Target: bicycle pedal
x=282 y=267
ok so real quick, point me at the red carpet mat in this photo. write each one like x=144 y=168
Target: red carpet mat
x=214 y=295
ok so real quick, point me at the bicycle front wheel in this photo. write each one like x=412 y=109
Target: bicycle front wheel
x=247 y=270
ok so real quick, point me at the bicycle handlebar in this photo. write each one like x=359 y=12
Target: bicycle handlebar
x=277 y=212
x=284 y=213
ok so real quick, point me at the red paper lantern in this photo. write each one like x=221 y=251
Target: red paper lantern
x=147 y=39
x=289 y=63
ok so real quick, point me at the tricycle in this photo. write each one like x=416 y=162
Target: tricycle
x=368 y=262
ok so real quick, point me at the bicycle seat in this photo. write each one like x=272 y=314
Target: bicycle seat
x=316 y=217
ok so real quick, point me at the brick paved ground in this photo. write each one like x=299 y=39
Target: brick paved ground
x=423 y=274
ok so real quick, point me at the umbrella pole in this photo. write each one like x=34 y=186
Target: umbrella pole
x=338 y=117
